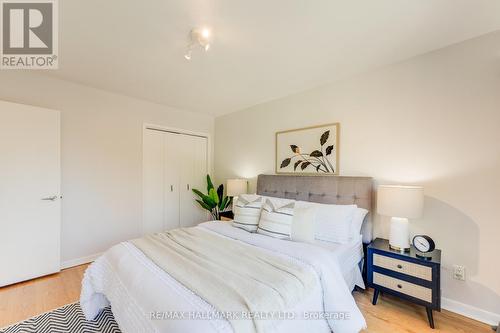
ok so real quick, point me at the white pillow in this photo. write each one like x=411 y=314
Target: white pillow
x=303 y=225
x=247 y=212
x=333 y=222
x=357 y=221
x=276 y=219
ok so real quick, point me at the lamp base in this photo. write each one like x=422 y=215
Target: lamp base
x=399 y=237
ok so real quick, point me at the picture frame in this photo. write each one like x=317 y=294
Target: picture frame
x=312 y=150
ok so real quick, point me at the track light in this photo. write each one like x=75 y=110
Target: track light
x=198 y=37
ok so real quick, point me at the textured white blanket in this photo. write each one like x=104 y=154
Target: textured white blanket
x=137 y=288
x=260 y=284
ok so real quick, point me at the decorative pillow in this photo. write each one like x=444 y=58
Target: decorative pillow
x=276 y=220
x=333 y=223
x=247 y=212
x=357 y=221
x=303 y=225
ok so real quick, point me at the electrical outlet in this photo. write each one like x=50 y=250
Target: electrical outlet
x=459 y=272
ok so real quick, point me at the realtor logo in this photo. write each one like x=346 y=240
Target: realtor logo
x=29 y=34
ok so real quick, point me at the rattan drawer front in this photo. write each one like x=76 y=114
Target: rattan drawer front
x=403 y=287
x=408 y=268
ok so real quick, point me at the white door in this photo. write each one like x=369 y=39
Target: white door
x=198 y=180
x=193 y=175
x=30 y=208
x=173 y=163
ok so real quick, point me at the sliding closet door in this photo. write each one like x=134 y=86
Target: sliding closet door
x=173 y=146
x=193 y=156
x=30 y=206
x=200 y=170
x=173 y=164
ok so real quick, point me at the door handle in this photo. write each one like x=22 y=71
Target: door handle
x=171 y=188
x=187 y=187
x=52 y=198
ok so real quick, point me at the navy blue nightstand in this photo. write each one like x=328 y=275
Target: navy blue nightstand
x=405 y=275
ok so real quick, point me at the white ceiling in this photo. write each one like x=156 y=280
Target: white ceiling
x=262 y=49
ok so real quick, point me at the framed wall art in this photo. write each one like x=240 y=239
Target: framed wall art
x=309 y=150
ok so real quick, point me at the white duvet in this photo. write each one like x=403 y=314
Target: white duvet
x=144 y=298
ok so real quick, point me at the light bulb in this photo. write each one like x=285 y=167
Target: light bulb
x=188 y=55
x=207 y=47
x=205 y=33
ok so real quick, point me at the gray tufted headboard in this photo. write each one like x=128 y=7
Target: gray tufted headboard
x=322 y=189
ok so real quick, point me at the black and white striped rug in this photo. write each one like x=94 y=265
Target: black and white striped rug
x=68 y=318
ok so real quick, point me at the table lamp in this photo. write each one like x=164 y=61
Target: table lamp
x=236 y=187
x=400 y=203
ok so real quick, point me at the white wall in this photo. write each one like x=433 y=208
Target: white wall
x=101 y=156
x=433 y=120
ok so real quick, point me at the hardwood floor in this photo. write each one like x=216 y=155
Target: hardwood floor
x=393 y=315
x=27 y=299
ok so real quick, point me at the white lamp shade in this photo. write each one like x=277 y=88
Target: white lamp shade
x=400 y=201
x=236 y=187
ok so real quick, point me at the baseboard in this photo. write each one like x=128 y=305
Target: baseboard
x=79 y=261
x=470 y=311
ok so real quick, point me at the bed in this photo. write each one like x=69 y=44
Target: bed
x=145 y=298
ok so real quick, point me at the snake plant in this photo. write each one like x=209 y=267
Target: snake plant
x=214 y=201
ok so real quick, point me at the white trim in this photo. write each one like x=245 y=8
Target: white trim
x=175 y=130
x=79 y=261
x=470 y=311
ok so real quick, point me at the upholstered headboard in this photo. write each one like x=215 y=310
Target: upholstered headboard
x=322 y=189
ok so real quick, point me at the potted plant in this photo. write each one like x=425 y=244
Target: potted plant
x=214 y=201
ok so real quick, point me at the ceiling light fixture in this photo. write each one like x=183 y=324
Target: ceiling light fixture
x=198 y=37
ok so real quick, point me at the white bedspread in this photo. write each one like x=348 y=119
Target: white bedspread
x=146 y=299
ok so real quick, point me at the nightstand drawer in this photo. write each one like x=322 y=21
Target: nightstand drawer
x=405 y=267
x=403 y=287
